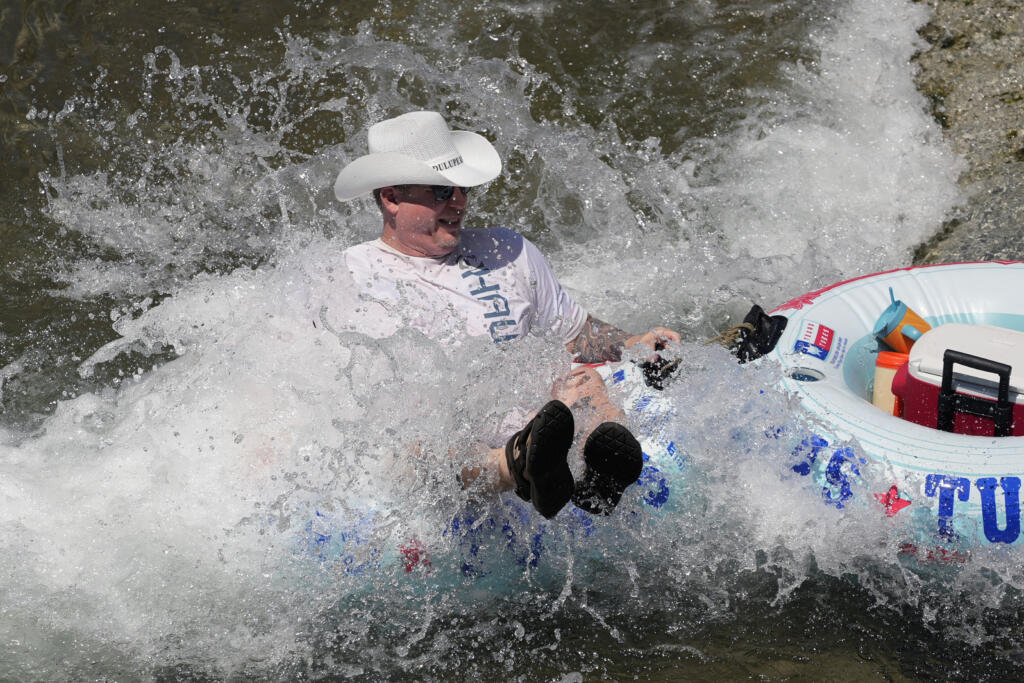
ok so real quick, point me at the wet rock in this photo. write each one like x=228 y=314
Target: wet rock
x=972 y=72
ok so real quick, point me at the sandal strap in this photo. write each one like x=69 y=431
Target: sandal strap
x=515 y=459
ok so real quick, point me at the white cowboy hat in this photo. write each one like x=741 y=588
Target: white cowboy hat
x=418 y=148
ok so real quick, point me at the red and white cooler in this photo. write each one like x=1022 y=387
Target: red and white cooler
x=967 y=379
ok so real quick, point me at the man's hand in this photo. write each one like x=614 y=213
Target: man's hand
x=598 y=341
x=654 y=340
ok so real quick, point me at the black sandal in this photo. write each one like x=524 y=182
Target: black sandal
x=540 y=449
x=614 y=460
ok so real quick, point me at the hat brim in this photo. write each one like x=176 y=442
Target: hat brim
x=480 y=164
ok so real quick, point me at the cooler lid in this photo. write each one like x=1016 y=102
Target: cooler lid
x=994 y=343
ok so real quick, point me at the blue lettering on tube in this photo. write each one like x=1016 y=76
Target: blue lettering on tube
x=814 y=445
x=947 y=488
x=1011 y=498
x=838 y=478
x=658 y=491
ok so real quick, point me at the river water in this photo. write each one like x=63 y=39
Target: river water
x=169 y=426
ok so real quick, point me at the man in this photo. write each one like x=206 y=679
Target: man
x=427 y=272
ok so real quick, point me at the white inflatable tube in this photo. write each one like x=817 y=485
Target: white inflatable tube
x=968 y=485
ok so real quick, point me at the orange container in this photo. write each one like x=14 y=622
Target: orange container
x=909 y=330
x=886 y=365
x=899 y=326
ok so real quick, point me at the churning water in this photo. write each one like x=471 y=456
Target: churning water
x=178 y=443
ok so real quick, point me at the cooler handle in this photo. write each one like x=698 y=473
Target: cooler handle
x=951 y=403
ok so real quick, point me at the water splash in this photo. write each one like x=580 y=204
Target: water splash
x=178 y=510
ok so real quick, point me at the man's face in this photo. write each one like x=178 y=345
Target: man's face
x=423 y=225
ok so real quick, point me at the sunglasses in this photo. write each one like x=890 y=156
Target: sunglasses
x=443 y=193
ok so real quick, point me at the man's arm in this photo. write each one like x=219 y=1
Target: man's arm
x=599 y=341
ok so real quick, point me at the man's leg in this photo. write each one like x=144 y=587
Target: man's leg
x=533 y=462
x=491 y=476
x=612 y=457
x=585 y=393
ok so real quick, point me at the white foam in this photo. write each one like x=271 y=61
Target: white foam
x=841 y=174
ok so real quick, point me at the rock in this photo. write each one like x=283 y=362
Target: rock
x=972 y=72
